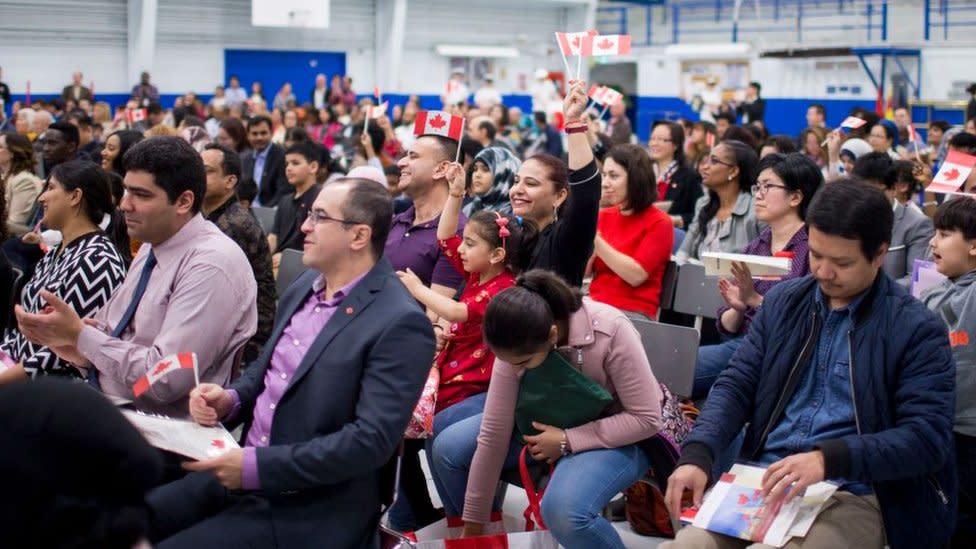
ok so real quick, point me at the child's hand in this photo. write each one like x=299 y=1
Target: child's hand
x=456 y=179
x=410 y=280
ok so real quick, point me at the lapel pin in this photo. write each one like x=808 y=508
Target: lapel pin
x=348 y=310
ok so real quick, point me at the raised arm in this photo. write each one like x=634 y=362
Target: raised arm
x=452 y=207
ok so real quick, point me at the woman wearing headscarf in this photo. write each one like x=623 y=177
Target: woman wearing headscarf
x=842 y=154
x=492 y=175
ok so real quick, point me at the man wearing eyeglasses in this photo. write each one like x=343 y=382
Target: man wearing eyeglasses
x=323 y=407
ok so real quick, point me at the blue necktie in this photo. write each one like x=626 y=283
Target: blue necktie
x=130 y=311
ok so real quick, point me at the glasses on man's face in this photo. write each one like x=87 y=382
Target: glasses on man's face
x=762 y=188
x=317 y=216
x=712 y=159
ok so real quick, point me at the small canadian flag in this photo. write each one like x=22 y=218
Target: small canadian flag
x=377 y=111
x=135 y=115
x=605 y=44
x=710 y=140
x=912 y=134
x=853 y=122
x=570 y=43
x=439 y=123
x=953 y=173
x=165 y=366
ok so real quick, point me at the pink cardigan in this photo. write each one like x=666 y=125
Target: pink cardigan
x=604 y=342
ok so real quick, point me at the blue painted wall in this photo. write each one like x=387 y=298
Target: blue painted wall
x=274 y=67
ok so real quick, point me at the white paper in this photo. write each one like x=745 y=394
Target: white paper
x=924 y=276
x=734 y=507
x=181 y=436
x=720 y=264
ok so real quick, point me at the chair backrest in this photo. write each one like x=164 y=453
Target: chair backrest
x=668 y=283
x=695 y=294
x=265 y=217
x=673 y=353
x=289 y=268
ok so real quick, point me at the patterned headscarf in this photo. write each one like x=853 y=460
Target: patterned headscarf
x=503 y=165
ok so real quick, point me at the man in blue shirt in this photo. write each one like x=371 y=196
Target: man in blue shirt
x=843 y=377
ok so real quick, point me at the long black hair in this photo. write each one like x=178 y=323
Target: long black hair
x=519 y=244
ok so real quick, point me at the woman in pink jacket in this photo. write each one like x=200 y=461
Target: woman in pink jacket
x=594 y=461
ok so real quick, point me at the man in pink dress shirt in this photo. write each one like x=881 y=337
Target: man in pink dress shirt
x=198 y=293
x=323 y=407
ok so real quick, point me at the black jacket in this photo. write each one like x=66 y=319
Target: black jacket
x=684 y=190
x=273 y=184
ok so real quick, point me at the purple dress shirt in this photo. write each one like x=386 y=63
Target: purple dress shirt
x=302 y=330
x=763 y=245
x=415 y=247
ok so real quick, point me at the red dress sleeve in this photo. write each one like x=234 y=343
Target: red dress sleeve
x=450 y=248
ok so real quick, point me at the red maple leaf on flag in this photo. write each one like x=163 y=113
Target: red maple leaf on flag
x=576 y=41
x=606 y=44
x=162 y=367
x=437 y=122
x=217 y=443
x=951 y=175
x=743 y=499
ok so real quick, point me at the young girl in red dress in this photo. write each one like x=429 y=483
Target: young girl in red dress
x=491 y=252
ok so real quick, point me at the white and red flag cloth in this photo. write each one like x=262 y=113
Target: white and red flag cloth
x=135 y=115
x=377 y=111
x=853 y=122
x=913 y=134
x=953 y=173
x=439 y=123
x=605 y=44
x=166 y=366
x=605 y=95
x=710 y=140
x=570 y=43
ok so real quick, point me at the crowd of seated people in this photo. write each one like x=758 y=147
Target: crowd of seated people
x=533 y=242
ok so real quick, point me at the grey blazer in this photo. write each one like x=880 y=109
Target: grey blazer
x=740 y=232
x=910 y=237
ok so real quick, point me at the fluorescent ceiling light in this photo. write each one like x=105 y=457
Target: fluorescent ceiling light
x=456 y=50
x=735 y=49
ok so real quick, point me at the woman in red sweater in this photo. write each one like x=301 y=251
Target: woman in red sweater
x=634 y=239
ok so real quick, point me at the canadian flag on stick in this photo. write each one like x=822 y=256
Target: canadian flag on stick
x=135 y=115
x=605 y=95
x=953 y=173
x=853 y=122
x=377 y=111
x=166 y=366
x=439 y=123
x=570 y=43
x=605 y=44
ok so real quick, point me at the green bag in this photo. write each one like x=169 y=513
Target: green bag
x=555 y=393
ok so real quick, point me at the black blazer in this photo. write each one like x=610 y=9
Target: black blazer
x=68 y=93
x=273 y=184
x=684 y=190
x=343 y=413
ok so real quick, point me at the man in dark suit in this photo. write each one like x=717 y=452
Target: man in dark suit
x=76 y=91
x=323 y=407
x=264 y=163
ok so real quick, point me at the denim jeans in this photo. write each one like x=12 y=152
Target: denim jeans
x=579 y=489
x=401 y=516
x=712 y=360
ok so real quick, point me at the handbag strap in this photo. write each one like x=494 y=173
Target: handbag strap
x=535 y=498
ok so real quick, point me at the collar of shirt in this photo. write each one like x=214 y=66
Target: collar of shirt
x=766 y=238
x=318 y=290
x=263 y=154
x=172 y=247
x=214 y=215
x=850 y=309
x=410 y=215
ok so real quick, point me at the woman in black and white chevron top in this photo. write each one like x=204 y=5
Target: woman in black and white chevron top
x=83 y=270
